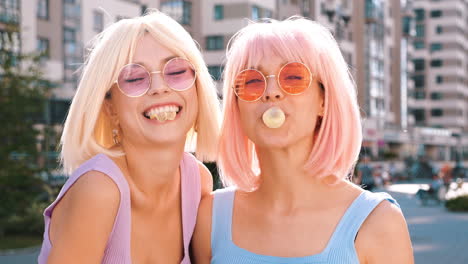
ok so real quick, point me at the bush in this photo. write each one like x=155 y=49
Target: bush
x=458 y=204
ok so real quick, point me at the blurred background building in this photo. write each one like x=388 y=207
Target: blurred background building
x=409 y=58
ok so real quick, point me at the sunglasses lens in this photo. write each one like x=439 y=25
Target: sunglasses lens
x=179 y=74
x=294 y=78
x=134 y=80
x=249 y=85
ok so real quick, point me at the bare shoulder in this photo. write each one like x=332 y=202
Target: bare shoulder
x=384 y=236
x=83 y=219
x=206 y=179
x=92 y=189
x=201 y=240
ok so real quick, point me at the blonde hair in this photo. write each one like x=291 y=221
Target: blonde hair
x=88 y=129
x=338 y=140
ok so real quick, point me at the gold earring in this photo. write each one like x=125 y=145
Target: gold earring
x=115 y=136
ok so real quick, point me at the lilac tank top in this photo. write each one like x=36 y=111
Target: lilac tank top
x=117 y=250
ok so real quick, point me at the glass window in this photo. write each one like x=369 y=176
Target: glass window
x=69 y=35
x=419 y=45
x=419 y=64
x=180 y=11
x=439 y=29
x=436 y=96
x=436 y=63
x=437 y=112
x=420 y=14
x=255 y=13
x=98 y=18
x=419 y=94
x=218 y=12
x=43 y=9
x=214 y=42
x=187 y=13
x=267 y=13
x=436 y=13
x=43 y=47
x=216 y=71
x=436 y=46
x=439 y=79
x=420 y=30
x=419 y=115
x=407 y=22
x=419 y=81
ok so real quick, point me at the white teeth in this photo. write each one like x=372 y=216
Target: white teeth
x=273 y=117
x=163 y=113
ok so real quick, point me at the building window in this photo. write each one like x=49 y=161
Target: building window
x=436 y=46
x=436 y=96
x=419 y=45
x=43 y=47
x=419 y=81
x=218 y=12
x=187 y=13
x=420 y=30
x=420 y=14
x=216 y=71
x=436 y=13
x=436 y=63
x=98 y=21
x=437 y=112
x=214 y=42
x=180 y=11
x=419 y=64
x=419 y=115
x=118 y=18
x=419 y=94
x=439 y=29
x=267 y=13
x=69 y=35
x=43 y=9
x=255 y=12
x=439 y=79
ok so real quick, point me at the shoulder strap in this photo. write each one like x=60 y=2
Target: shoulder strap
x=221 y=221
x=190 y=196
x=358 y=212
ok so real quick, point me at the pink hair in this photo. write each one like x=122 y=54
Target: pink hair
x=338 y=141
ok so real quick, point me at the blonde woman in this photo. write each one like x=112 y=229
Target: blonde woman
x=290 y=136
x=133 y=194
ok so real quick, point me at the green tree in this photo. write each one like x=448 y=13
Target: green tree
x=23 y=93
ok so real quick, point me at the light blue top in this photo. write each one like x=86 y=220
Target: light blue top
x=340 y=248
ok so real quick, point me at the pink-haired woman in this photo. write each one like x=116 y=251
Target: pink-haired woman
x=133 y=193
x=290 y=137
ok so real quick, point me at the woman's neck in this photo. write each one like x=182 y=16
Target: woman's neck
x=153 y=173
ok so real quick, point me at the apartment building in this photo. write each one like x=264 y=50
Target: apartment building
x=440 y=97
x=62 y=29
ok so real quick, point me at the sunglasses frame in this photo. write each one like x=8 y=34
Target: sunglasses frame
x=155 y=72
x=277 y=80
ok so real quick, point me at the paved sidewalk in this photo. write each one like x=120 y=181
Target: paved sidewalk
x=438 y=236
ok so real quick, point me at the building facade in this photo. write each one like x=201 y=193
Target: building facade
x=409 y=58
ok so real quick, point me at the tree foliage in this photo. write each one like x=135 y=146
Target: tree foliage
x=23 y=94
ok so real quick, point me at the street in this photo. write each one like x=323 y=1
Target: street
x=438 y=236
